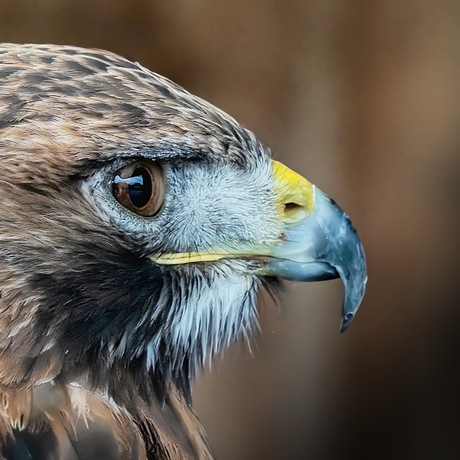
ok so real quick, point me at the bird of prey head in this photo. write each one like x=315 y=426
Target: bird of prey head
x=137 y=224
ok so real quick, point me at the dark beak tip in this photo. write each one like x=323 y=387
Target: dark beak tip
x=346 y=321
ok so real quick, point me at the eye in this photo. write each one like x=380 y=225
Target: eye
x=140 y=187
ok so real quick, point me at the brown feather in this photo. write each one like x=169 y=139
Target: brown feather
x=63 y=110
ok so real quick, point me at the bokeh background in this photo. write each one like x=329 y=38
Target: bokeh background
x=363 y=98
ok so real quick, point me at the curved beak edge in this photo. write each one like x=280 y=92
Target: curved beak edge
x=324 y=246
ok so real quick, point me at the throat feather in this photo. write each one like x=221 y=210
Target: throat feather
x=201 y=312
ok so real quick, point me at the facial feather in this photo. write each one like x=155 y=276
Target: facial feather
x=75 y=267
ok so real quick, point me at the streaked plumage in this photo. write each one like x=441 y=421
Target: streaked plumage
x=103 y=320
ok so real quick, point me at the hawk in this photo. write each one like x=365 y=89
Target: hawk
x=137 y=225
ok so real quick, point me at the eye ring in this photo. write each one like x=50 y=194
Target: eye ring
x=140 y=187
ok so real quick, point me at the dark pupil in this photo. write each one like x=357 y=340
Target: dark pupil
x=139 y=187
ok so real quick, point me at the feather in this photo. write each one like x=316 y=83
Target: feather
x=98 y=345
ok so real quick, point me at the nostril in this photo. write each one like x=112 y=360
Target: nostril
x=289 y=207
x=294 y=212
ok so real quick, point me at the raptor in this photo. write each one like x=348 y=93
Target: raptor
x=137 y=225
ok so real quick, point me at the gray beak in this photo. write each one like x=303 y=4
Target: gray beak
x=324 y=246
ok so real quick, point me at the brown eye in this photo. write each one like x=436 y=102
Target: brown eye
x=140 y=187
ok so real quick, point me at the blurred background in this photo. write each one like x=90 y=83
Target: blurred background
x=363 y=98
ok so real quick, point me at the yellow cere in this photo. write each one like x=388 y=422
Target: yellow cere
x=294 y=194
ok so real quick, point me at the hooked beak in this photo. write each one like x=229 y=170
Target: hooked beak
x=319 y=246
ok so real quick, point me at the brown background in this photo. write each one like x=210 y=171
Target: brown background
x=363 y=98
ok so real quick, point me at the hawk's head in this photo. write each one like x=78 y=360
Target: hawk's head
x=137 y=224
